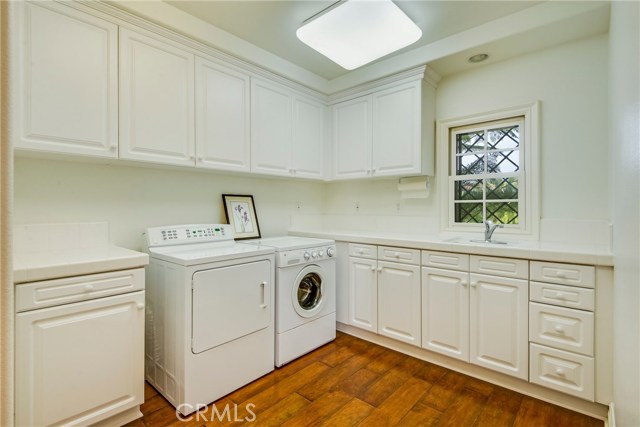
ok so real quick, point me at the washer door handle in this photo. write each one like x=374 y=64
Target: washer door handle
x=263 y=285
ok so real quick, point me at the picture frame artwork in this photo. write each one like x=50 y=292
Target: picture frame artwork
x=240 y=211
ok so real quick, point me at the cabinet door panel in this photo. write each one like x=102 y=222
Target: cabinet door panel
x=399 y=302
x=397 y=130
x=363 y=294
x=222 y=117
x=68 y=81
x=352 y=138
x=499 y=324
x=80 y=363
x=308 y=138
x=445 y=312
x=271 y=128
x=156 y=100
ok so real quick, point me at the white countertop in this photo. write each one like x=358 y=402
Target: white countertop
x=533 y=250
x=45 y=265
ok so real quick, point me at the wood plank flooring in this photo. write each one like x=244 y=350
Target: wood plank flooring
x=351 y=382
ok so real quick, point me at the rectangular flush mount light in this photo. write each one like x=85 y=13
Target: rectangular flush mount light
x=356 y=32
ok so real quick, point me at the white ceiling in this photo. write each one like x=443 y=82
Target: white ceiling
x=272 y=25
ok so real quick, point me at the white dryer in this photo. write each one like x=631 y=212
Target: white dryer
x=210 y=313
x=305 y=294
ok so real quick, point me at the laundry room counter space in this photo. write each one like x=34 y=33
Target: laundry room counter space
x=51 y=251
x=532 y=250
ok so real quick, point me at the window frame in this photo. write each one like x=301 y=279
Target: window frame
x=528 y=194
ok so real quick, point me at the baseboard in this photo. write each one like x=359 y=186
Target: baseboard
x=592 y=409
x=120 y=419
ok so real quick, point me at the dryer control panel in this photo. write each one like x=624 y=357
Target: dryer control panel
x=189 y=233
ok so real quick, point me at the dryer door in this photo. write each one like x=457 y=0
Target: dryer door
x=308 y=292
x=229 y=303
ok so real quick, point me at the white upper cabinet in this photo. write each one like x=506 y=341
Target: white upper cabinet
x=352 y=138
x=67 y=81
x=271 y=131
x=381 y=134
x=396 y=132
x=286 y=132
x=307 y=151
x=156 y=100
x=222 y=117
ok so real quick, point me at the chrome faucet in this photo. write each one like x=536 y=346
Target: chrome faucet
x=489 y=228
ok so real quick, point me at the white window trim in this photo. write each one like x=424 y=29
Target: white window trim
x=531 y=152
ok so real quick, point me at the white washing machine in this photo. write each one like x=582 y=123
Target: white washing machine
x=209 y=313
x=305 y=294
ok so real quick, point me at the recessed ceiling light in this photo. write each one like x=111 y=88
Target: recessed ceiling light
x=478 y=58
x=356 y=32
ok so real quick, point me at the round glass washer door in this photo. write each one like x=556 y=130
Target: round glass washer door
x=307 y=291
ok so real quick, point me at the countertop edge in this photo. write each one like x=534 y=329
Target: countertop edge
x=571 y=254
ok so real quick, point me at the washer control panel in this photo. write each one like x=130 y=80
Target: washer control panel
x=306 y=256
x=191 y=233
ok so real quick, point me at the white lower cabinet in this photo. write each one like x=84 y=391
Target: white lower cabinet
x=363 y=293
x=384 y=297
x=80 y=363
x=445 y=312
x=562 y=328
x=498 y=322
x=399 y=302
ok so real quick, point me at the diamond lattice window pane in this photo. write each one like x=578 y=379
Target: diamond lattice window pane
x=503 y=138
x=502 y=188
x=472 y=164
x=468 y=212
x=469 y=142
x=503 y=161
x=468 y=189
x=503 y=212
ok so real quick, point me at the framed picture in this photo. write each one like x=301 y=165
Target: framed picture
x=241 y=214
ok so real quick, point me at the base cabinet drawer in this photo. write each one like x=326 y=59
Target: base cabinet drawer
x=565 y=296
x=560 y=327
x=563 y=371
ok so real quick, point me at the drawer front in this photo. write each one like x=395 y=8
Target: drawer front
x=407 y=256
x=563 y=274
x=563 y=371
x=363 y=251
x=565 y=296
x=506 y=267
x=30 y=296
x=563 y=328
x=446 y=260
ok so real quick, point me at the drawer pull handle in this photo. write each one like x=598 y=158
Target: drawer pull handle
x=560 y=372
x=88 y=287
x=561 y=275
x=559 y=329
x=464 y=283
x=560 y=295
x=379 y=269
x=474 y=284
x=373 y=268
x=140 y=306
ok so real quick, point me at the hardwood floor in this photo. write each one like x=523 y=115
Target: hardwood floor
x=351 y=382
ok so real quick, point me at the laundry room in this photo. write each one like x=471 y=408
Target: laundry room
x=446 y=233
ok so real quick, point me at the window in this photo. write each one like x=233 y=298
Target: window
x=488 y=170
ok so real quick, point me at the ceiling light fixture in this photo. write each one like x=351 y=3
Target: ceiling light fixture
x=478 y=58
x=355 y=32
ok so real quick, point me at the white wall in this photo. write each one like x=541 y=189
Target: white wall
x=571 y=82
x=132 y=198
x=624 y=100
